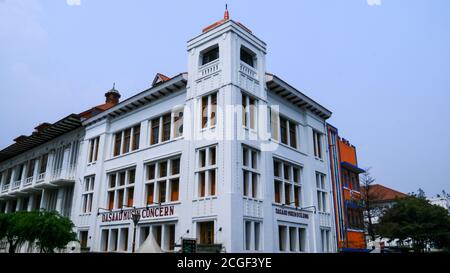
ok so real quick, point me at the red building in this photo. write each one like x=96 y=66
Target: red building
x=347 y=195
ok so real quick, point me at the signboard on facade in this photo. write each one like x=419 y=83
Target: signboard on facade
x=146 y=213
x=189 y=245
x=292 y=213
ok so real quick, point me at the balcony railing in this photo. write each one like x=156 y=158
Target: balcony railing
x=28 y=181
x=16 y=184
x=209 y=69
x=40 y=177
x=5 y=188
x=248 y=70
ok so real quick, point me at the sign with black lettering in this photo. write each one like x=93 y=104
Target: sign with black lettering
x=291 y=213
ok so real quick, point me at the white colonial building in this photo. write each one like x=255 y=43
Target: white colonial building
x=226 y=153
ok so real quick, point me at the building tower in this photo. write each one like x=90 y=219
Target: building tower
x=225 y=61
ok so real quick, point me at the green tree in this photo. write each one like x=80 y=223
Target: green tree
x=16 y=228
x=415 y=219
x=53 y=231
x=47 y=230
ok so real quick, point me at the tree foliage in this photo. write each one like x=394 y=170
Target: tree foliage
x=47 y=230
x=415 y=219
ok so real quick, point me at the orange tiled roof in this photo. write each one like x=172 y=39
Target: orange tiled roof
x=380 y=193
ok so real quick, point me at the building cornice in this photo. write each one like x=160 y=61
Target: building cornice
x=141 y=99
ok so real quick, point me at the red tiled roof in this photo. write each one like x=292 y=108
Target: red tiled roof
x=160 y=78
x=380 y=193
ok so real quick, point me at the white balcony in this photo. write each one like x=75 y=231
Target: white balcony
x=40 y=178
x=209 y=69
x=248 y=71
x=16 y=184
x=28 y=181
x=63 y=176
x=5 y=188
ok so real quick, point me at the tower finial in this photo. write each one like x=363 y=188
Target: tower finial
x=227 y=14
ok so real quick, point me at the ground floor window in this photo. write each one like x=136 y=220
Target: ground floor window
x=252 y=235
x=163 y=234
x=325 y=235
x=113 y=240
x=83 y=238
x=205 y=233
x=292 y=238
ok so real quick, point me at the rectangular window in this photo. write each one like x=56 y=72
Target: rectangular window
x=178 y=123
x=88 y=194
x=93 y=149
x=250 y=172
x=274 y=124
x=206 y=233
x=127 y=140
x=155 y=131
x=210 y=55
x=292 y=135
x=283 y=130
x=83 y=237
x=136 y=137
x=166 y=121
x=325 y=239
x=166 y=127
x=252 y=235
x=206 y=171
x=288 y=132
x=247 y=57
x=282 y=237
x=19 y=172
x=292 y=238
x=105 y=240
x=163 y=187
x=322 y=194
x=249 y=112
x=121 y=189
x=277 y=191
x=123 y=245
x=317 y=137
x=117 y=143
x=43 y=164
x=287 y=183
x=30 y=168
x=209 y=108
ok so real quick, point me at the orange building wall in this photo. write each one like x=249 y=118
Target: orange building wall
x=356 y=239
x=347 y=152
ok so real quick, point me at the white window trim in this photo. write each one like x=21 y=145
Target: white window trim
x=167 y=179
x=206 y=170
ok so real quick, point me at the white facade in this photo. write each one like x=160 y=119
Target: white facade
x=441 y=201
x=243 y=206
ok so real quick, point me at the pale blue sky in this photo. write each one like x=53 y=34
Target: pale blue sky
x=384 y=70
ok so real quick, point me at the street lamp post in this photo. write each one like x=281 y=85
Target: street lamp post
x=136 y=216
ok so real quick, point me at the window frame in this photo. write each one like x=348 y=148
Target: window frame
x=168 y=180
x=250 y=170
x=249 y=112
x=204 y=171
x=211 y=110
x=119 y=149
x=119 y=190
x=295 y=188
x=87 y=194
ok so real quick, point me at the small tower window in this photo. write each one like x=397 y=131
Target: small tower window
x=248 y=57
x=210 y=55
